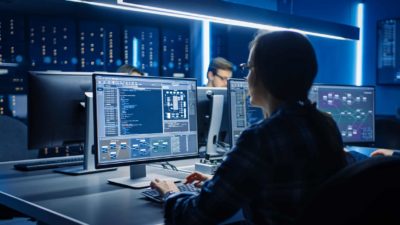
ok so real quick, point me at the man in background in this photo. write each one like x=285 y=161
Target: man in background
x=131 y=70
x=219 y=71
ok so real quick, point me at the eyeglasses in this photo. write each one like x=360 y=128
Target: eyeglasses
x=221 y=77
x=245 y=68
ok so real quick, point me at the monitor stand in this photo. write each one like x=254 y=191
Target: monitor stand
x=212 y=149
x=139 y=179
x=88 y=156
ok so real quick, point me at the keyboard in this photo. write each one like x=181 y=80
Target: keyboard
x=155 y=196
x=50 y=163
x=173 y=173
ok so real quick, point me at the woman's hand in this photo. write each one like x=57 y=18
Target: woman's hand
x=384 y=152
x=164 y=186
x=197 y=178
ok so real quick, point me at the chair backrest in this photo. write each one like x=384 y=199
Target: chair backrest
x=367 y=192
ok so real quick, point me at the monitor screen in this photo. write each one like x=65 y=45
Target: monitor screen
x=204 y=112
x=56 y=112
x=242 y=113
x=351 y=107
x=144 y=119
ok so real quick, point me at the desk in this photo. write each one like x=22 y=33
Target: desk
x=365 y=150
x=60 y=199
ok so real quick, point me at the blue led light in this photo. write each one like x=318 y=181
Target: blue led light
x=74 y=60
x=19 y=58
x=118 y=62
x=47 y=59
x=135 y=52
x=359 y=46
x=206 y=50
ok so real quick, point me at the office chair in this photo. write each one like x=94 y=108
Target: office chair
x=387 y=132
x=366 y=192
x=14 y=140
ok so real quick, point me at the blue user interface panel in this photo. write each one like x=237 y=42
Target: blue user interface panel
x=243 y=114
x=141 y=119
x=351 y=107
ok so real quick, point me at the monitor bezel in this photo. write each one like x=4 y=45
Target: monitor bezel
x=358 y=143
x=131 y=161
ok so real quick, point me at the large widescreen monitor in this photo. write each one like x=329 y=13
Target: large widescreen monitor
x=352 y=107
x=242 y=113
x=143 y=119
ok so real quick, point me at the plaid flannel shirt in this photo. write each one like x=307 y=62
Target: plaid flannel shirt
x=267 y=174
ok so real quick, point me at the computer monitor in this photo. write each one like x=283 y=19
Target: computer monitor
x=56 y=112
x=140 y=120
x=242 y=113
x=352 y=107
x=60 y=114
x=204 y=114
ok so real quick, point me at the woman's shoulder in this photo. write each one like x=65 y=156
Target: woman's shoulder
x=262 y=127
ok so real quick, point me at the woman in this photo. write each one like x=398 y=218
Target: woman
x=276 y=163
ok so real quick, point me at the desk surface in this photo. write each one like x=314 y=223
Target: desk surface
x=87 y=199
x=55 y=198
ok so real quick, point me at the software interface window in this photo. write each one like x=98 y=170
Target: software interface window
x=145 y=118
x=243 y=114
x=351 y=107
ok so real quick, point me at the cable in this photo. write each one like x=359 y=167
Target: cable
x=173 y=167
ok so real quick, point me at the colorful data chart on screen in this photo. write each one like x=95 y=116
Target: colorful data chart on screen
x=351 y=107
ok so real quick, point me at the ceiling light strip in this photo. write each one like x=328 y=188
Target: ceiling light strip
x=194 y=16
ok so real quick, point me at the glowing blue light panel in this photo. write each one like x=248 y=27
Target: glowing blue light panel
x=12 y=39
x=388 y=52
x=99 y=46
x=13 y=90
x=141 y=49
x=175 y=53
x=52 y=44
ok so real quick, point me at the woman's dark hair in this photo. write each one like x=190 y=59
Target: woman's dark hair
x=285 y=62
